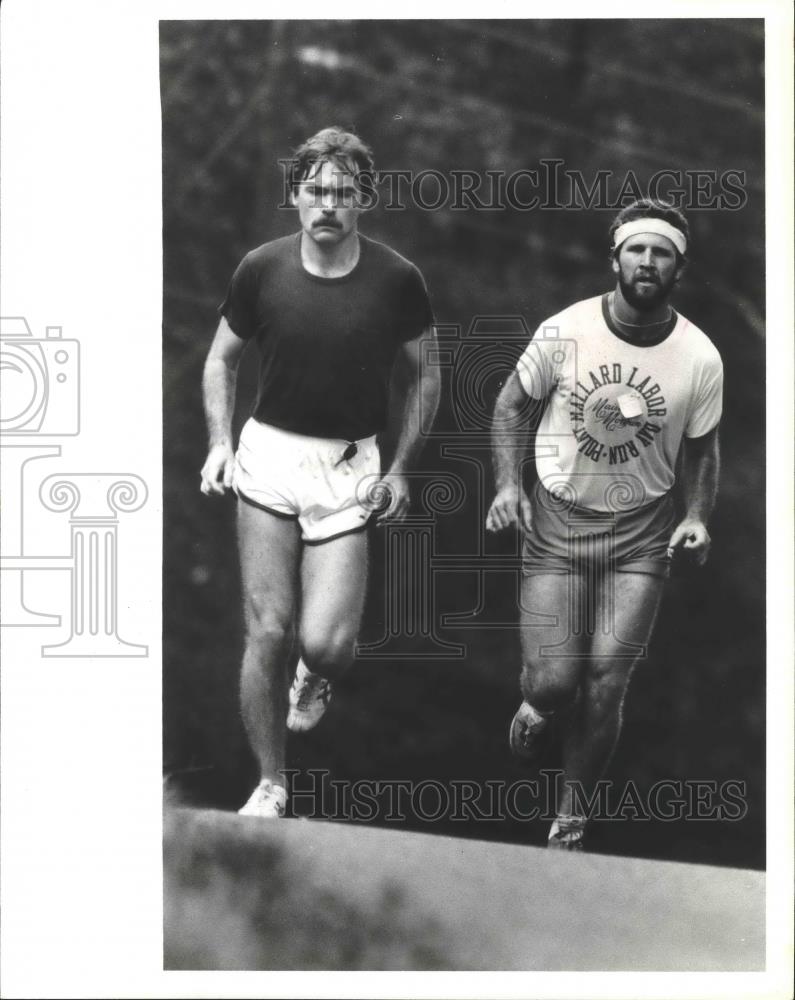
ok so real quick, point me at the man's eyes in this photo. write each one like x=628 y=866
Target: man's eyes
x=656 y=251
x=339 y=194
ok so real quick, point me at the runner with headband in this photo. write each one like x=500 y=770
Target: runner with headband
x=615 y=386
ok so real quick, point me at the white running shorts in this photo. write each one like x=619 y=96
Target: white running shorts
x=306 y=479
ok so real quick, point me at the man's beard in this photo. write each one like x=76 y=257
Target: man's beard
x=651 y=300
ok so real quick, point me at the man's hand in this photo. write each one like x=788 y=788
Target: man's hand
x=510 y=508
x=217 y=470
x=396 y=486
x=692 y=537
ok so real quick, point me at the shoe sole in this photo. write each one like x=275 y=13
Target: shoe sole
x=297 y=723
x=558 y=845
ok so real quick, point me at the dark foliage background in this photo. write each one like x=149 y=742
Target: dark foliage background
x=619 y=96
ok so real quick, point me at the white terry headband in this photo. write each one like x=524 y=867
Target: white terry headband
x=657 y=226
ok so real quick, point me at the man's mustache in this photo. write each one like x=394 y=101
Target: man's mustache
x=326 y=223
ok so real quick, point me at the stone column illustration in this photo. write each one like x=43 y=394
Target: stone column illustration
x=409 y=599
x=94 y=502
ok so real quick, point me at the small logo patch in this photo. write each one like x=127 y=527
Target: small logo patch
x=631 y=405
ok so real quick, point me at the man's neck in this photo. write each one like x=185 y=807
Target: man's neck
x=334 y=261
x=636 y=322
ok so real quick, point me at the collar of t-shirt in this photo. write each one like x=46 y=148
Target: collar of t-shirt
x=664 y=330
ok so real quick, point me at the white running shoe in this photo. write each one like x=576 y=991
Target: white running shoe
x=309 y=698
x=268 y=801
x=528 y=732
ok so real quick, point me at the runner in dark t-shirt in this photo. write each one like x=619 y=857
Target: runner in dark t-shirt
x=332 y=313
x=326 y=345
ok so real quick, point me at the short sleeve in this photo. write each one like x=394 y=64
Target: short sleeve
x=416 y=313
x=535 y=367
x=705 y=413
x=239 y=305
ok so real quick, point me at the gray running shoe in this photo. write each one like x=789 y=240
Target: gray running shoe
x=309 y=698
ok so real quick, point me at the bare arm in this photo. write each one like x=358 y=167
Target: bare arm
x=416 y=395
x=511 y=436
x=700 y=473
x=218 y=385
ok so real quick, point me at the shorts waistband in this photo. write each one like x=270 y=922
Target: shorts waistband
x=562 y=503
x=304 y=439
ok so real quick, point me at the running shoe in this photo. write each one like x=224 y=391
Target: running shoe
x=528 y=732
x=309 y=698
x=567 y=833
x=267 y=801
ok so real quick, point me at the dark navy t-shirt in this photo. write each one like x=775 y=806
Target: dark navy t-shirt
x=326 y=345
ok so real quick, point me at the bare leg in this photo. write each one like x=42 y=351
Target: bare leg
x=333 y=585
x=552 y=658
x=552 y=655
x=596 y=724
x=269 y=557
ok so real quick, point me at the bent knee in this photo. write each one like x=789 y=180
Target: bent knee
x=324 y=650
x=550 y=683
x=267 y=619
x=608 y=672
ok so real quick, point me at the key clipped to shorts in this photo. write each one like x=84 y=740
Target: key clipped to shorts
x=348 y=454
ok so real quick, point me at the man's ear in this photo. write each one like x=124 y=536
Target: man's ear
x=680 y=270
x=293 y=197
x=614 y=264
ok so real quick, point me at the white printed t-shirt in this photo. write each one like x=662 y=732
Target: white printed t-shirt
x=617 y=410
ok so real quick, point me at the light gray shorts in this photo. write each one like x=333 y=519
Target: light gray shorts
x=570 y=539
